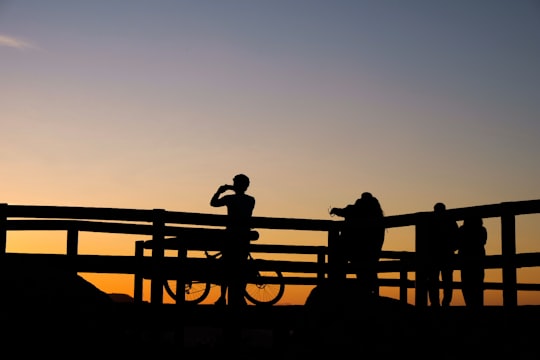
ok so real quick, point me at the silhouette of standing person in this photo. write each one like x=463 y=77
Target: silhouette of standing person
x=471 y=240
x=442 y=243
x=363 y=237
x=236 y=248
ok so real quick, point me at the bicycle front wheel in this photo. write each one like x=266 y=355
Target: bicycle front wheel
x=194 y=291
x=264 y=292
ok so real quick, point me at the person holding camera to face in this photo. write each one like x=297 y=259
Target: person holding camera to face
x=362 y=238
x=236 y=249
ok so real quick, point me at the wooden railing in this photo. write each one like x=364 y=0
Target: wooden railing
x=158 y=224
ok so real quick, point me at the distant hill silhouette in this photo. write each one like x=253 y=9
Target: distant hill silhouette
x=24 y=284
x=48 y=310
x=121 y=298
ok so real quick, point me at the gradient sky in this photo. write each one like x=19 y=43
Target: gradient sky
x=154 y=104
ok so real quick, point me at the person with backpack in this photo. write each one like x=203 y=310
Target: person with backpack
x=472 y=238
x=362 y=238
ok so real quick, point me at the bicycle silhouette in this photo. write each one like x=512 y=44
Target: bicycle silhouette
x=259 y=289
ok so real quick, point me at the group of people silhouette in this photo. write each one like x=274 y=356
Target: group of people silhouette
x=445 y=239
x=361 y=238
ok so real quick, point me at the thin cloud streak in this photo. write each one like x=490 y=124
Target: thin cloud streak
x=12 y=42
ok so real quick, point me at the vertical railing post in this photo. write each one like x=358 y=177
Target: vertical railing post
x=508 y=248
x=3 y=228
x=158 y=253
x=72 y=248
x=321 y=265
x=403 y=281
x=180 y=297
x=421 y=244
x=336 y=258
x=181 y=276
x=138 y=275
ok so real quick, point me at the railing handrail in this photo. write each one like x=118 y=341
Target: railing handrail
x=204 y=219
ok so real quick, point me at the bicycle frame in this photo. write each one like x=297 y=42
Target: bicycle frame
x=257 y=292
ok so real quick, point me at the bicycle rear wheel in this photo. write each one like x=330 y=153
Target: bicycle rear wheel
x=263 y=292
x=194 y=291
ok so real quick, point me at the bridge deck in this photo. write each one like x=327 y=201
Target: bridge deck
x=305 y=329
x=287 y=331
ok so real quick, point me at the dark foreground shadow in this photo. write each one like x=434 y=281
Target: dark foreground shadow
x=55 y=312
x=391 y=329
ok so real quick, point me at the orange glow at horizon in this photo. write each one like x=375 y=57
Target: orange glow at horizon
x=397 y=239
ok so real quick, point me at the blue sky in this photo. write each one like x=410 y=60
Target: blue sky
x=154 y=104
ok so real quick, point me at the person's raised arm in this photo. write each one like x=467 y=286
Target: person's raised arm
x=338 y=211
x=216 y=198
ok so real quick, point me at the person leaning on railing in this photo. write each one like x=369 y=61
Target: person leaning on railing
x=362 y=237
x=472 y=238
x=441 y=246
